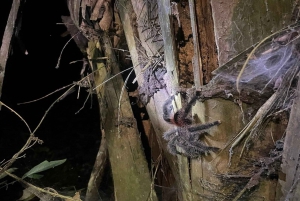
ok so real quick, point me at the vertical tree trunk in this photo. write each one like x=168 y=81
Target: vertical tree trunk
x=237 y=26
x=6 y=40
x=129 y=167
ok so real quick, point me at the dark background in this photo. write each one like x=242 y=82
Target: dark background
x=28 y=77
x=66 y=135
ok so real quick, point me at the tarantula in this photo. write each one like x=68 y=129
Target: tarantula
x=186 y=135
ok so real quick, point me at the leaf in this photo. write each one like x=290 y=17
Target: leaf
x=35 y=176
x=10 y=170
x=27 y=195
x=43 y=166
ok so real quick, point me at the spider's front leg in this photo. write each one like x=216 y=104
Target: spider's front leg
x=168 y=110
x=180 y=117
x=201 y=127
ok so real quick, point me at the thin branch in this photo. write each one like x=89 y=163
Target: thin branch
x=45 y=95
x=1 y=103
x=16 y=156
x=59 y=58
x=40 y=189
x=112 y=77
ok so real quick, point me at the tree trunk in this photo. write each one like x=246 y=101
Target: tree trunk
x=237 y=26
x=129 y=167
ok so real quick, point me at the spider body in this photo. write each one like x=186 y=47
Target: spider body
x=186 y=135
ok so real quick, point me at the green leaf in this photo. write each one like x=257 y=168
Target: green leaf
x=35 y=176
x=10 y=170
x=43 y=166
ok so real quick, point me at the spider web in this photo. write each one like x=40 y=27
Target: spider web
x=149 y=23
x=269 y=63
x=151 y=57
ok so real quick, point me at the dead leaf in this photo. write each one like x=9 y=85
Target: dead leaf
x=96 y=10
x=105 y=22
x=75 y=197
x=27 y=195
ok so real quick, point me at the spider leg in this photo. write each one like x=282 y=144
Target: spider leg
x=199 y=127
x=172 y=146
x=195 y=149
x=190 y=145
x=191 y=149
x=194 y=136
x=170 y=134
x=180 y=117
x=167 y=110
x=189 y=106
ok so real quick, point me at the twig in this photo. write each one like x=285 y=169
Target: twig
x=83 y=103
x=112 y=78
x=98 y=170
x=40 y=189
x=16 y=156
x=120 y=98
x=1 y=103
x=45 y=95
x=42 y=119
x=59 y=58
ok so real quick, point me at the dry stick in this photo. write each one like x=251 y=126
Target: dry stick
x=16 y=156
x=55 y=90
x=121 y=94
x=267 y=106
x=152 y=182
x=26 y=146
x=143 y=70
x=123 y=50
x=42 y=119
x=1 y=103
x=259 y=114
x=120 y=98
x=112 y=78
x=98 y=169
x=246 y=129
x=145 y=54
x=83 y=103
x=40 y=189
x=250 y=125
x=59 y=58
x=45 y=95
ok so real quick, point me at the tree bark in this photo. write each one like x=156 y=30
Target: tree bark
x=237 y=26
x=6 y=40
x=130 y=171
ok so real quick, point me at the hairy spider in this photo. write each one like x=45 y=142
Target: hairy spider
x=186 y=135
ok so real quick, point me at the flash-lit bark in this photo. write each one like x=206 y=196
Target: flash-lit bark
x=7 y=37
